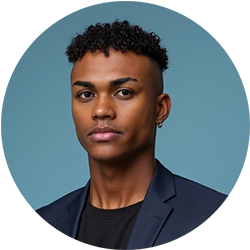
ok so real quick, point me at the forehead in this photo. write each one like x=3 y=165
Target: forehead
x=96 y=66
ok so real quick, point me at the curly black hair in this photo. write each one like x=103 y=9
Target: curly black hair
x=121 y=36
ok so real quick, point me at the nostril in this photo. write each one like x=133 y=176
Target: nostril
x=103 y=112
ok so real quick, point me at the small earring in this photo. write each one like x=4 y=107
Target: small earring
x=160 y=124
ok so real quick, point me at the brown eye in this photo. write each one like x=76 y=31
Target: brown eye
x=124 y=92
x=86 y=95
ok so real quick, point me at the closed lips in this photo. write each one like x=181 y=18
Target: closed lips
x=103 y=130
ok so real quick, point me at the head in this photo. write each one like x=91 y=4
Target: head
x=117 y=90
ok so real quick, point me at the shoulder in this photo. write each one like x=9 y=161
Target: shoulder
x=195 y=187
x=191 y=204
x=195 y=199
x=59 y=206
x=186 y=197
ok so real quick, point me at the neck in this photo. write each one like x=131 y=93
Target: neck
x=120 y=184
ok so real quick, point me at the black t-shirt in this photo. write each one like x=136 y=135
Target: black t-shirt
x=108 y=228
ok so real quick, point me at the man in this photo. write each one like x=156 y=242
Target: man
x=131 y=200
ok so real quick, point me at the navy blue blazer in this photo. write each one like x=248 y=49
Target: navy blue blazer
x=173 y=206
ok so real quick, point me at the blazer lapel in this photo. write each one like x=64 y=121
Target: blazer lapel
x=149 y=222
x=69 y=223
x=154 y=211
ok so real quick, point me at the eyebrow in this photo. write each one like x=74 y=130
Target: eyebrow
x=122 y=80
x=83 y=84
x=118 y=81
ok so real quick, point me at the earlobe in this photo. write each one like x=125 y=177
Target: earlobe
x=163 y=108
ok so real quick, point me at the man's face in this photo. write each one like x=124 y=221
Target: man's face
x=114 y=104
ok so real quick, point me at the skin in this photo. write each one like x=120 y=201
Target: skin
x=121 y=92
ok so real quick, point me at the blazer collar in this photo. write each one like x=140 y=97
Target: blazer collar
x=154 y=212
x=162 y=185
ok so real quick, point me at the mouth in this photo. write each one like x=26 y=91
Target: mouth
x=103 y=134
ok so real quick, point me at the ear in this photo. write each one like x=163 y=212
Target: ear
x=163 y=108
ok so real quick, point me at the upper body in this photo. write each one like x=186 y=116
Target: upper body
x=172 y=207
x=117 y=104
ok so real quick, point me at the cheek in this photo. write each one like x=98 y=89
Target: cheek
x=80 y=120
x=146 y=111
x=140 y=118
x=80 y=128
x=79 y=113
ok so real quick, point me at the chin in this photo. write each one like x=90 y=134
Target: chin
x=107 y=156
x=106 y=159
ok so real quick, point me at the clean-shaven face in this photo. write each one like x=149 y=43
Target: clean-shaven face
x=114 y=104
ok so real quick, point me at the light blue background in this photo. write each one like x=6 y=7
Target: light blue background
x=204 y=139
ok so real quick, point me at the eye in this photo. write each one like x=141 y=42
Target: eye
x=86 y=95
x=124 y=92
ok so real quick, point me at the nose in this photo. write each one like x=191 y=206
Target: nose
x=103 y=109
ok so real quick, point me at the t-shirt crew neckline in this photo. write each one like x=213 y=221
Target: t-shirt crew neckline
x=94 y=211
